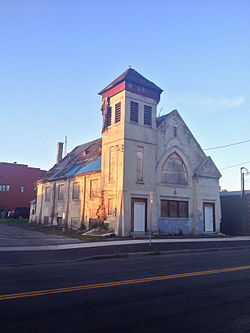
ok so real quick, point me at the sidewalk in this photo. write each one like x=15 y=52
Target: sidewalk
x=76 y=244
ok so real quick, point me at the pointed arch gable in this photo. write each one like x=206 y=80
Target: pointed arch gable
x=174 y=171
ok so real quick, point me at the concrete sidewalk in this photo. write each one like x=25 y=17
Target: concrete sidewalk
x=125 y=243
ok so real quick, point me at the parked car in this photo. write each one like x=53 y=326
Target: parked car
x=19 y=213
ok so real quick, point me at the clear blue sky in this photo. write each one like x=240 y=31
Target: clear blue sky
x=56 y=55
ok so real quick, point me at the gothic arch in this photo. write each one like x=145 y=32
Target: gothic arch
x=174 y=171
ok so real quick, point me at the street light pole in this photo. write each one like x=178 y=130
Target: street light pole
x=243 y=172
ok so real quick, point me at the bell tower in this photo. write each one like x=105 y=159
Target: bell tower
x=129 y=141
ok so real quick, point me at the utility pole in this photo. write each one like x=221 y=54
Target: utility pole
x=151 y=200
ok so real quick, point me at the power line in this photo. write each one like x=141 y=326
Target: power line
x=235 y=165
x=229 y=145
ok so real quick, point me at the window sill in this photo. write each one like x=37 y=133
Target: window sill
x=175 y=218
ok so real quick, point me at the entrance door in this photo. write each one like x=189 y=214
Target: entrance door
x=209 y=217
x=138 y=210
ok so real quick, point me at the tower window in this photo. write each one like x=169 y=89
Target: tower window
x=139 y=164
x=134 y=111
x=117 y=112
x=175 y=131
x=147 y=115
x=108 y=116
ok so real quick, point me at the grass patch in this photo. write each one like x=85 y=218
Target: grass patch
x=13 y=222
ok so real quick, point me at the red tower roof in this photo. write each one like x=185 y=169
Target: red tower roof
x=133 y=81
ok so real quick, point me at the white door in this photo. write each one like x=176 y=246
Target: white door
x=209 y=218
x=139 y=216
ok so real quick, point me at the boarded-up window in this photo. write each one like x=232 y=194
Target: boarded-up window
x=172 y=208
x=134 y=111
x=76 y=190
x=174 y=171
x=117 y=112
x=111 y=163
x=164 y=208
x=139 y=164
x=147 y=115
x=60 y=192
x=94 y=188
x=47 y=193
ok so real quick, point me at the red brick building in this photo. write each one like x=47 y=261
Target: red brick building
x=17 y=185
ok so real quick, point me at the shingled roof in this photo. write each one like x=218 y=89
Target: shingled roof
x=132 y=76
x=82 y=159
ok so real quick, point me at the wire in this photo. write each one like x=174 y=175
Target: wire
x=229 y=145
x=235 y=165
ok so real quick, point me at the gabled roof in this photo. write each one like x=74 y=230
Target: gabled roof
x=132 y=76
x=82 y=159
x=207 y=168
x=160 y=119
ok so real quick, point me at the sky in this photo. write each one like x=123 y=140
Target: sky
x=56 y=55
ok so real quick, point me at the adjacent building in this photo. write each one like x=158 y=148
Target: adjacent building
x=17 y=183
x=145 y=174
x=235 y=210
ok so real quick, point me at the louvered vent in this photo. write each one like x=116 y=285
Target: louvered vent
x=147 y=115
x=134 y=112
x=118 y=112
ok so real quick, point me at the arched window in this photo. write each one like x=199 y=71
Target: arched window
x=174 y=171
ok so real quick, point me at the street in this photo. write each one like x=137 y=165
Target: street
x=211 y=302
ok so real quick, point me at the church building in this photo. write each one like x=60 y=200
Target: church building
x=145 y=174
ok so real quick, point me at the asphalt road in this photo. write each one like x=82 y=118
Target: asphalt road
x=158 y=299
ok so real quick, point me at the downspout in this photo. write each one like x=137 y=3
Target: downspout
x=83 y=204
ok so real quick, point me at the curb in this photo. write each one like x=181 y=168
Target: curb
x=122 y=255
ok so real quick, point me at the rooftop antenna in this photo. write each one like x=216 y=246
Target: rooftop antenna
x=65 y=145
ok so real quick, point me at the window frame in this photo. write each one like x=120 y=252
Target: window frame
x=139 y=164
x=74 y=192
x=179 y=214
x=60 y=194
x=93 y=193
x=4 y=188
x=47 y=193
